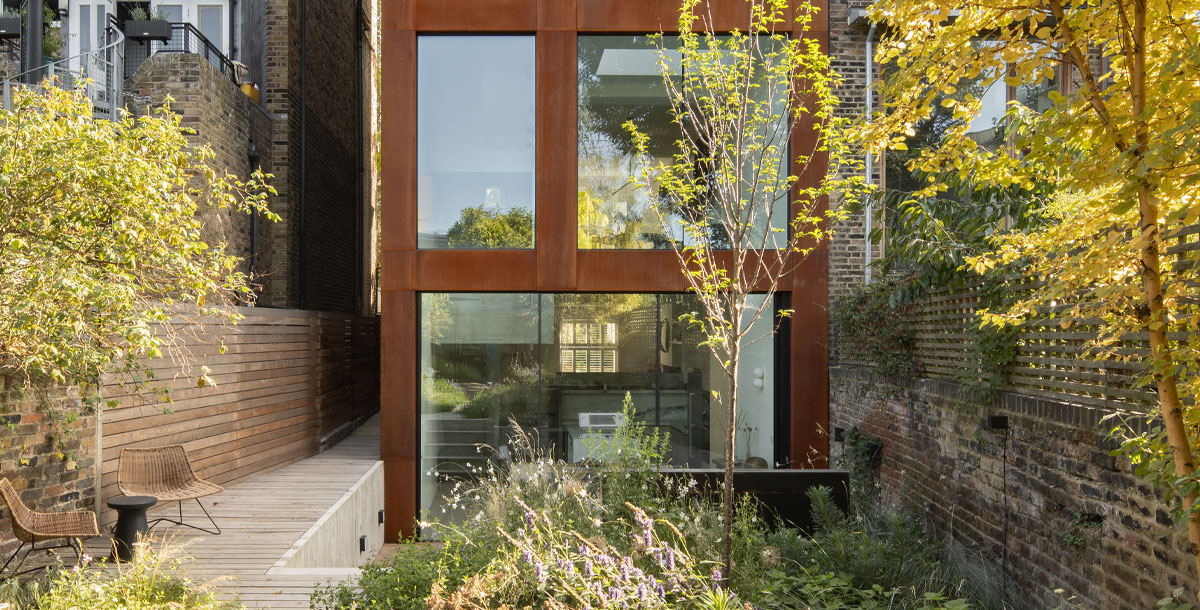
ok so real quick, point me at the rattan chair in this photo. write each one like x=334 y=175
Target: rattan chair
x=32 y=527
x=165 y=473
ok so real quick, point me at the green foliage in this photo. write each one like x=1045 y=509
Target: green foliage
x=631 y=457
x=747 y=219
x=444 y=395
x=20 y=594
x=542 y=533
x=513 y=397
x=100 y=238
x=480 y=228
x=155 y=578
x=1121 y=154
x=401 y=583
x=1083 y=530
x=873 y=322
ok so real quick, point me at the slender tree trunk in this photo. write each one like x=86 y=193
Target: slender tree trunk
x=1161 y=356
x=1160 y=349
x=730 y=453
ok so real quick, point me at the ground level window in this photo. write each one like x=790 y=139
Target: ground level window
x=561 y=365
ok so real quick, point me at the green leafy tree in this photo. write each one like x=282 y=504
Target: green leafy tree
x=747 y=217
x=1121 y=151
x=480 y=228
x=100 y=246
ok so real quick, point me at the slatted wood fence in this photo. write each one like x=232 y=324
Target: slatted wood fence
x=288 y=382
x=1049 y=362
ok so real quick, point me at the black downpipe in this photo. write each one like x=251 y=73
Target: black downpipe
x=303 y=141
x=360 y=211
x=31 y=43
x=234 y=41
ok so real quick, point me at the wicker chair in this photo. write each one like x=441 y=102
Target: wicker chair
x=32 y=527
x=165 y=473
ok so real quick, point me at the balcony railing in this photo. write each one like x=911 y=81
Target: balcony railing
x=185 y=38
x=97 y=72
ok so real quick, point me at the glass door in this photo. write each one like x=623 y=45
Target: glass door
x=209 y=17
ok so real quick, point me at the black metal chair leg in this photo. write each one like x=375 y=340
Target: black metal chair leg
x=14 y=556
x=216 y=531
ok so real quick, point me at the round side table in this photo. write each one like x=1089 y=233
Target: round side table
x=131 y=523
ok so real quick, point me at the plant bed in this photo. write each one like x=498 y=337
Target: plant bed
x=148 y=29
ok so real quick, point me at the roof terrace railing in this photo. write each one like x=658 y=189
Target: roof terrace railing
x=96 y=72
x=185 y=38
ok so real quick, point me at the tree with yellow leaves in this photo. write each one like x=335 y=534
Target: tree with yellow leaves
x=1121 y=147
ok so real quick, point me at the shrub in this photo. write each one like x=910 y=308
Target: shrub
x=401 y=583
x=153 y=579
x=872 y=323
x=546 y=534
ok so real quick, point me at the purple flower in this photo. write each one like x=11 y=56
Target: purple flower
x=540 y=571
x=529 y=518
x=660 y=590
x=667 y=560
x=588 y=570
x=641 y=591
x=614 y=593
x=716 y=574
x=527 y=556
x=624 y=573
x=583 y=550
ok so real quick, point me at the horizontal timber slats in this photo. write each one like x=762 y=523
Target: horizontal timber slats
x=288 y=384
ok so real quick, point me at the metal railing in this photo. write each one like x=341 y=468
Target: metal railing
x=95 y=72
x=185 y=38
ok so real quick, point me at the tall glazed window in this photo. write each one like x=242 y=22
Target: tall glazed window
x=475 y=141
x=620 y=81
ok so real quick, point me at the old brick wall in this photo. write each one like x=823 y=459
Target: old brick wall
x=314 y=249
x=332 y=100
x=49 y=475
x=225 y=120
x=1069 y=514
x=847 y=50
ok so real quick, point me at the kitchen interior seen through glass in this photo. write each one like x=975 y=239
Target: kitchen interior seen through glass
x=560 y=365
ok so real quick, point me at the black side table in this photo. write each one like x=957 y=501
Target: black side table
x=131 y=523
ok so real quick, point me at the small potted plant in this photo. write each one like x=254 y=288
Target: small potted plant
x=141 y=26
x=10 y=23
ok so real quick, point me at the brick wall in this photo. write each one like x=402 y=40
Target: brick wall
x=332 y=100
x=847 y=49
x=316 y=157
x=225 y=120
x=1070 y=515
x=279 y=86
x=56 y=476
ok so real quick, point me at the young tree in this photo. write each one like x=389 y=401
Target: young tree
x=100 y=240
x=1121 y=148
x=734 y=184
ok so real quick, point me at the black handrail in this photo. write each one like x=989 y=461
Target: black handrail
x=185 y=38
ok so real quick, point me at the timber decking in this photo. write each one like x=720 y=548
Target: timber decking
x=262 y=516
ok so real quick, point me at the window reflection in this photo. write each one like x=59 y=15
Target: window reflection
x=560 y=366
x=475 y=141
x=620 y=80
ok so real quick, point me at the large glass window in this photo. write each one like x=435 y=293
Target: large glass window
x=475 y=141
x=561 y=365
x=620 y=80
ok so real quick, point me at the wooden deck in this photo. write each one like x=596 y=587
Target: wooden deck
x=261 y=517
